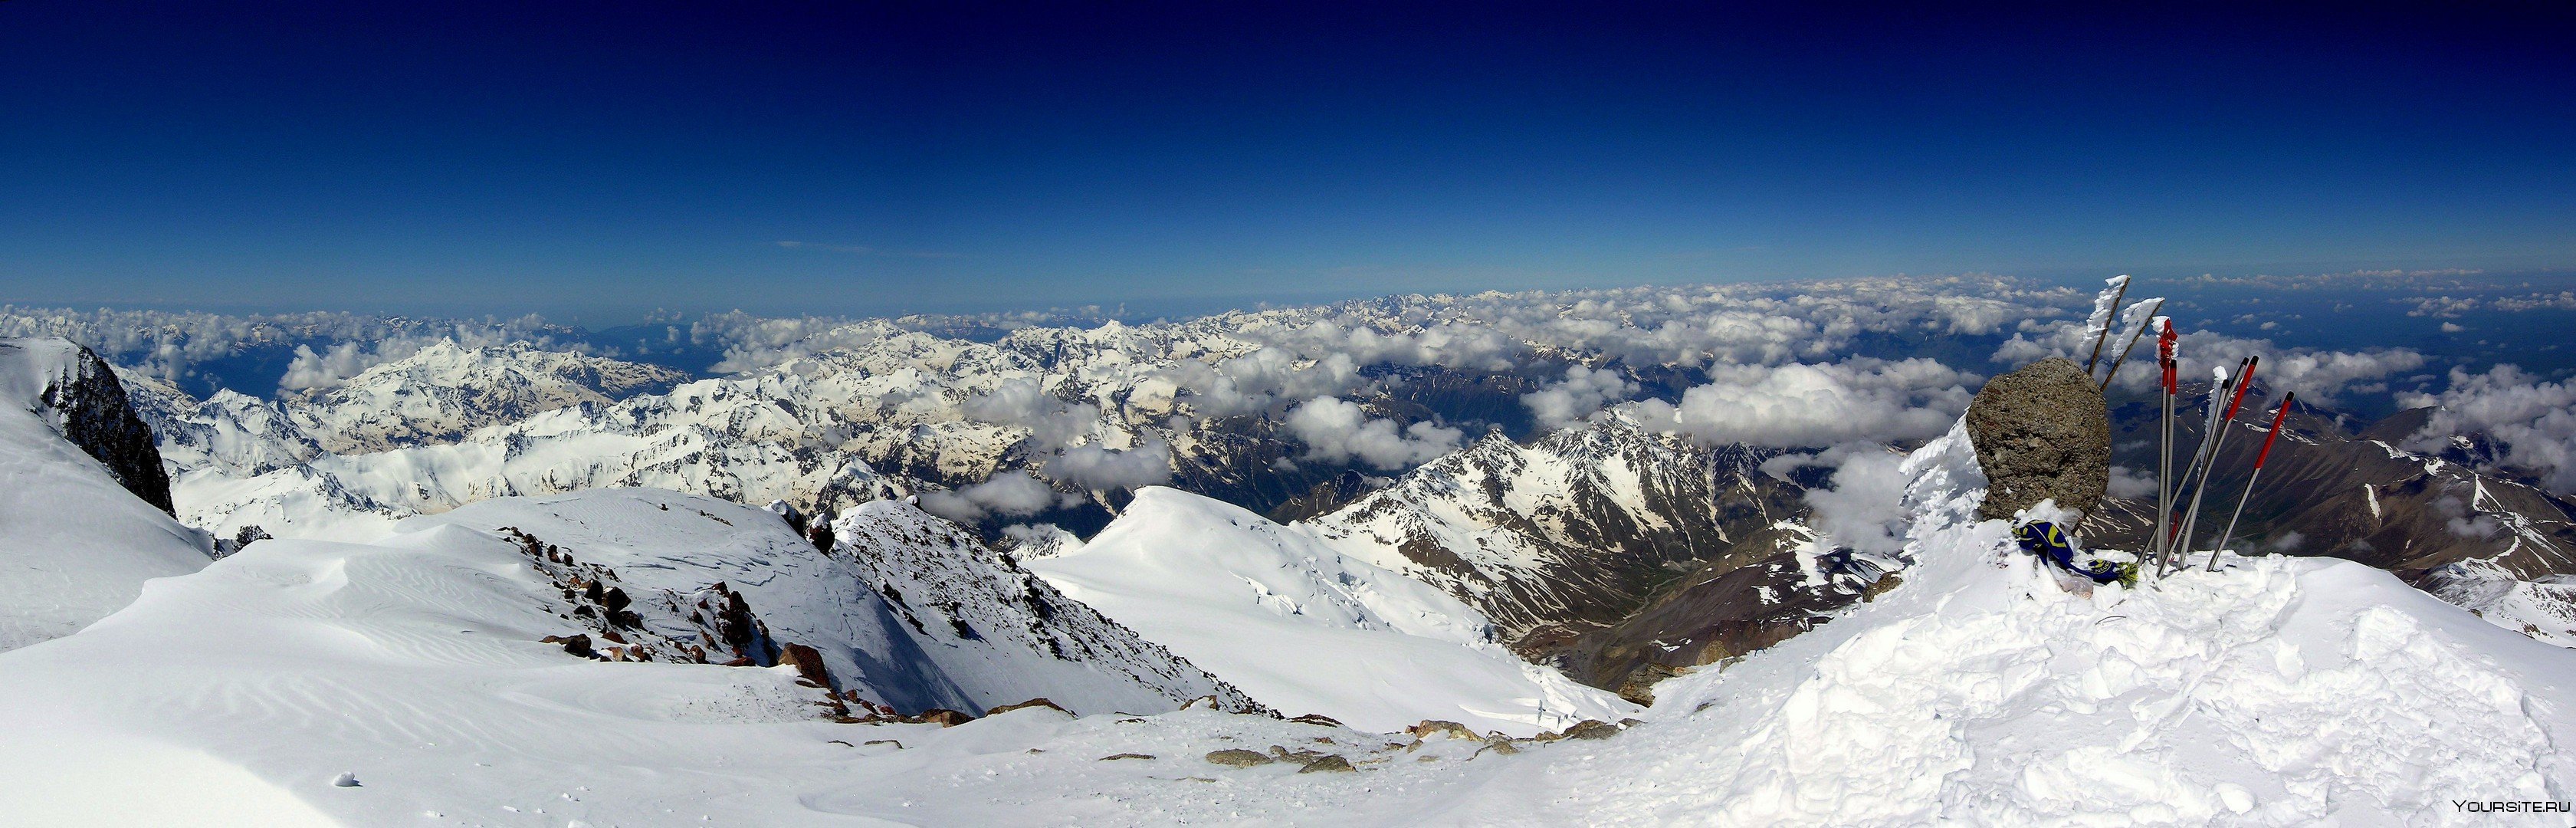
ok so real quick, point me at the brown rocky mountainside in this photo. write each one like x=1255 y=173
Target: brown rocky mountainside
x=2483 y=541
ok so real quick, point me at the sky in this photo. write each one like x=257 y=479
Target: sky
x=596 y=161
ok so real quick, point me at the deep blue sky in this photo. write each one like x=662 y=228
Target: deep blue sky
x=601 y=160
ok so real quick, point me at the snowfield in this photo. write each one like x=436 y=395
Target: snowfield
x=74 y=545
x=2278 y=691
x=1306 y=629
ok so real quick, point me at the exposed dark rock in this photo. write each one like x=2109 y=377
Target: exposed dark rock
x=943 y=718
x=1727 y=608
x=2331 y=491
x=1589 y=729
x=1117 y=756
x=1036 y=702
x=1610 y=513
x=1431 y=726
x=808 y=663
x=2041 y=432
x=1327 y=497
x=578 y=645
x=1317 y=719
x=89 y=405
x=1328 y=763
x=1238 y=758
x=228 y=547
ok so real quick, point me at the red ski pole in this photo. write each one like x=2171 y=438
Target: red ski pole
x=2259 y=456
x=2208 y=463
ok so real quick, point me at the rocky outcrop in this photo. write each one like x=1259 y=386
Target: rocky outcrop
x=2041 y=432
x=1573 y=534
x=83 y=399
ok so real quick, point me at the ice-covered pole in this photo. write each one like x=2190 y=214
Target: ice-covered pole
x=2121 y=356
x=2098 y=325
x=2259 y=457
x=2209 y=461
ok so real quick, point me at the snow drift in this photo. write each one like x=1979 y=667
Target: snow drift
x=75 y=543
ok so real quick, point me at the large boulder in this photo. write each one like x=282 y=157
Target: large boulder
x=2041 y=432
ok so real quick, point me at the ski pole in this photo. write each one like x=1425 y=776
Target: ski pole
x=2259 y=456
x=2209 y=465
x=2123 y=356
x=2175 y=546
x=2116 y=296
x=2165 y=340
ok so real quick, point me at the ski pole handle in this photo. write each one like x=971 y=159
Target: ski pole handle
x=2277 y=417
x=2244 y=380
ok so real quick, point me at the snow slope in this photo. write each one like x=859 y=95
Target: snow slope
x=2279 y=691
x=1306 y=629
x=2282 y=691
x=995 y=635
x=74 y=544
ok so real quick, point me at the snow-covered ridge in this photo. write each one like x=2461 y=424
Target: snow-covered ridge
x=76 y=543
x=1574 y=530
x=1306 y=629
x=443 y=391
x=906 y=610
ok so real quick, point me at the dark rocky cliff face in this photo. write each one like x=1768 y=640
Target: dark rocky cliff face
x=89 y=405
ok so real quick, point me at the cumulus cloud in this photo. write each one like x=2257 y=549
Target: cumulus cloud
x=1053 y=424
x=1582 y=392
x=1862 y=505
x=2132 y=484
x=2533 y=422
x=2313 y=373
x=1093 y=467
x=1015 y=494
x=1255 y=381
x=1336 y=431
x=1789 y=406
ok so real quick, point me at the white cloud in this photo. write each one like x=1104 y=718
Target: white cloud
x=1336 y=431
x=2534 y=422
x=1014 y=494
x=1862 y=507
x=1582 y=392
x=2132 y=484
x=1790 y=406
x=1093 y=467
x=2312 y=373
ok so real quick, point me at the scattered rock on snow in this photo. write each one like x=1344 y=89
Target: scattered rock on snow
x=1040 y=701
x=1238 y=758
x=944 y=718
x=1431 y=726
x=1589 y=729
x=2041 y=432
x=1330 y=763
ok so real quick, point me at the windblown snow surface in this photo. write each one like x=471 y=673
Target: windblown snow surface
x=74 y=545
x=2278 y=691
x=1305 y=629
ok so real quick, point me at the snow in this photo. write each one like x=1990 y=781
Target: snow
x=1306 y=629
x=2103 y=304
x=74 y=545
x=2275 y=692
